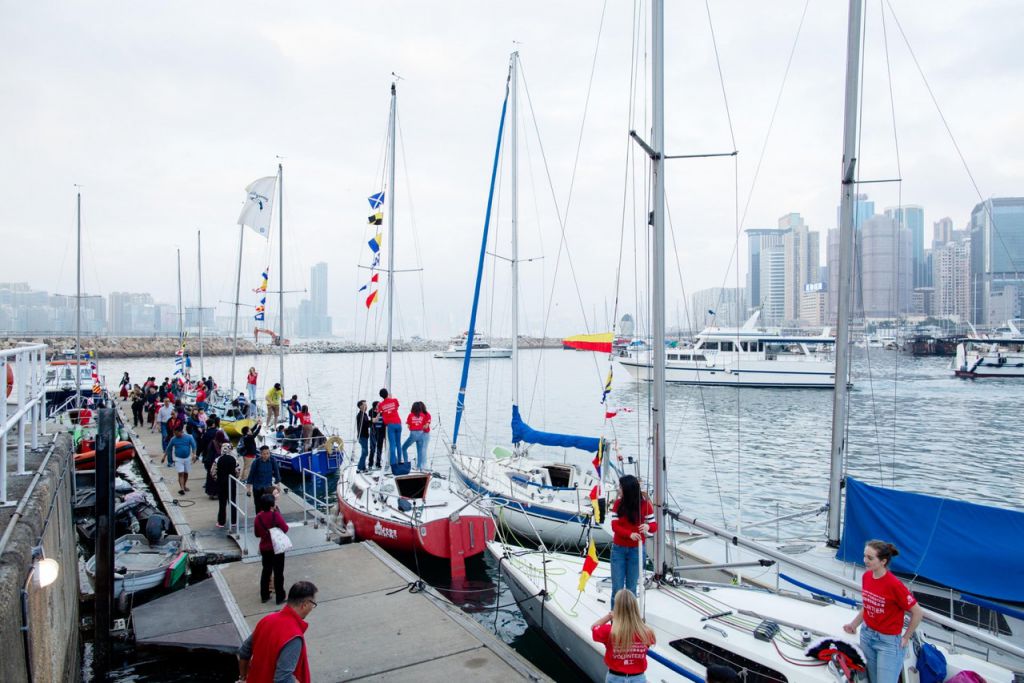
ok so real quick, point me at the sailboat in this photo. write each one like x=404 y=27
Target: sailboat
x=415 y=512
x=702 y=620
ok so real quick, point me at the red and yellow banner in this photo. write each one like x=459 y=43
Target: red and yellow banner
x=590 y=342
x=589 y=565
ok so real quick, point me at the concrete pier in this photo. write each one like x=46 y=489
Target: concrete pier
x=367 y=625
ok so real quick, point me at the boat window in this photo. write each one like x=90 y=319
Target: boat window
x=413 y=485
x=708 y=654
x=560 y=475
x=673 y=356
x=726 y=346
x=699 y=356
x=711 y=346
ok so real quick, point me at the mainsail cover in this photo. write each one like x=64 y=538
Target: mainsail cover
x=968 y=547
x=523 y=432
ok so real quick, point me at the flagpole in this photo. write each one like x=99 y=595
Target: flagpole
x=199 y=254
x=280 y=272
x=181 y=320
x=391 y=234
x=514 y=144
x=238 y=295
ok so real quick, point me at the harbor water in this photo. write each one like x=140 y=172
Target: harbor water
x=734 y=456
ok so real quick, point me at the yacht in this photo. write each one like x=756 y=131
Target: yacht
x=481 y=349
x=746 y=356
x=1001 y=356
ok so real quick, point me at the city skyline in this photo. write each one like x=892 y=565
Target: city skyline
x=168 y=129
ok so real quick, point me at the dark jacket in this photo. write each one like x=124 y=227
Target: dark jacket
x=226 y=466
x=263 y=475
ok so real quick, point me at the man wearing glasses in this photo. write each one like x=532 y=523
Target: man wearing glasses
x=275 y=652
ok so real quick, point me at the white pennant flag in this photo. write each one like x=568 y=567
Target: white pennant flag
x=258 y=202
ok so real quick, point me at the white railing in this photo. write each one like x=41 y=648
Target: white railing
x=28 y=366
x=241 y=511
x=320 y=506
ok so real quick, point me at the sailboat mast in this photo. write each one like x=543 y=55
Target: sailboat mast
x=391 y=233
x=280 y=273
x=658 y=274
x=199 y=260
x=238 y=295
x=513 y=142
x=841 y=395
x=181 y=319
x=78 y=302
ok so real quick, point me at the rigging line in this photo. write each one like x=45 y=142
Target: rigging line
x=700 y=388
x=721 y=78
x=899 y=242
x=949 y=131
x=775 y=111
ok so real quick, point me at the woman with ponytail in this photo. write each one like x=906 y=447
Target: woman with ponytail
x=885 y=600
x=626 y=638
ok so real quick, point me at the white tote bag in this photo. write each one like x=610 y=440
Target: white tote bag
x=280 y=540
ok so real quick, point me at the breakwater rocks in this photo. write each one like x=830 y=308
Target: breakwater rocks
x=148 y=347
x=135 y=347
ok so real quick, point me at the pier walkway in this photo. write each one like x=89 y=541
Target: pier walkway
x=367 y=625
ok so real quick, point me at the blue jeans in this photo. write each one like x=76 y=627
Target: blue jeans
x=394 y=439
x=616 y=678
x=625 y=569
x=164 y=438
x=252 y=391
x=364 y=447
x=884 y=654
x=419 y=438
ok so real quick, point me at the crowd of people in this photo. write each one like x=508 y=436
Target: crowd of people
x=382 y=423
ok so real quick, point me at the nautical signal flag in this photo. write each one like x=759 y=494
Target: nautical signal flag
x=590 y=342
x=376 y=218
x=373 y=280
x=595 y=495
x=263 y=281
x=261 y=309
x=375 y=242
x=372 y=299
x=376 y=200
x=607 y=386
x=589 y=565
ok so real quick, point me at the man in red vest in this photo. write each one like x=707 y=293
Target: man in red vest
x=276 y=651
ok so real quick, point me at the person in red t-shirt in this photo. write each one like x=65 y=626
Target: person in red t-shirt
x=418 y=423
x=626 y=638
x=886 y=600
x=388 y=408
x=633 y=521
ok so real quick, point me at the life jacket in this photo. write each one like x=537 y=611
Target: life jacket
x=271 y=634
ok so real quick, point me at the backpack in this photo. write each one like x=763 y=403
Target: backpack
x=931 y=664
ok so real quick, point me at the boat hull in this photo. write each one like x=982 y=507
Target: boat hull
x=765 y=374
x=319 y=461
x=478 y=354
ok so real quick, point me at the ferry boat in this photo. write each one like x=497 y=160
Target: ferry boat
x=747 y=356
x=481 y=349
x=1001 y=356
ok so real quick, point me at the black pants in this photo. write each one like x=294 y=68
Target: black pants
x=377 y=439
x=137 y=415
x=272 y=563
x=223 y=495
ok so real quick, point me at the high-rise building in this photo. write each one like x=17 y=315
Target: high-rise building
x=952 y=277
x=802 y=259
x=131 y=313
x=885 y=268
x=942 y=232
x=759 y=239
x=813 y=304
x=313 y=318
x=912 y=218
x=997 y=260
x=773 y=284
x=722 y=306
x=863 y=209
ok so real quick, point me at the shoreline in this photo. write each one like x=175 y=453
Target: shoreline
x=148 y=347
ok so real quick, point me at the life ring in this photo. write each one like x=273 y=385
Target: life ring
x=10 y=378
x=334 y=444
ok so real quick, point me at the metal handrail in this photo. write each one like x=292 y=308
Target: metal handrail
x=29 y=370
x=315 y=478
x=242 y=511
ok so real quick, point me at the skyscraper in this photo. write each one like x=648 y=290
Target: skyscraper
x=885 y=268
x=726 y=302
x=802 y=258
x=952 y=278
x=773 y=284
x=863 y=209
x=912 y=218
x=759 y=239
x=942 y=232
x=313 y=318
x=997 y=259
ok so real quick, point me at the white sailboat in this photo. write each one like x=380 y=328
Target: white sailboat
x=538 y=495
x=760 y=632
x=415 y=512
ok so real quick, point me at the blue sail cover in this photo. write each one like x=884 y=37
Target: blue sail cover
x=523 y=432
x=968 y=547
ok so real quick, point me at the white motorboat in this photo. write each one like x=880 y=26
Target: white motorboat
x=1001 y=356
x=480 y=349
x=747 y=356
x=139 y=566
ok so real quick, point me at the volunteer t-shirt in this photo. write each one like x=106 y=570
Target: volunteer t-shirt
x=885 y=601
x=632 y=660
x=389 y=411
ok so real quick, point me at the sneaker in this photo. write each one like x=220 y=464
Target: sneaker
x=181 y=492
x=220 y=526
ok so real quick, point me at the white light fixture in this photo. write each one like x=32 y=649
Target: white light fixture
x=46 y=569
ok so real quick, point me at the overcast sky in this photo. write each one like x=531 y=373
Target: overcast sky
x=165 y=111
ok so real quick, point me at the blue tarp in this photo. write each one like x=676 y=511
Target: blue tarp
x=965 y=546
x=523 y=432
